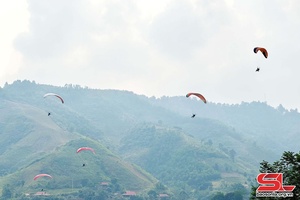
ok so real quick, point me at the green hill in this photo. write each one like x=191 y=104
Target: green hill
x=185 y=163
x=267 y=126
x=65 y=166
x=33 y=142
x=27 y=134
x=218 y=150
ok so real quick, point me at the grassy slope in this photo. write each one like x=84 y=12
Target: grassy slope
x=180 y=161
x=27 y=133
x=65 y=166
x=33 y=143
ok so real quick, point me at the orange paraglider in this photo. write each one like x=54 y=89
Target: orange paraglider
x=262 y=50
x=197 y=95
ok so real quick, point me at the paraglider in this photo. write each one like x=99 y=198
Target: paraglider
x=84 y=149
x=262 y=50
x=42 y=175
x=56 y=95
x=200 y=96
x=197 y=95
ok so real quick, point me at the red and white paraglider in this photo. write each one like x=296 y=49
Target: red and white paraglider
x=42 y=175
x=85 y=149
x=54 y=95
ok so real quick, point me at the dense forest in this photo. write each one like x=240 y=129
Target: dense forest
x=145 y=147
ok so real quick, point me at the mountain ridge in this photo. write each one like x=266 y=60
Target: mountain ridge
x=133 y=128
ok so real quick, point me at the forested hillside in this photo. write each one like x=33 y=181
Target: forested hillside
x=145 y=144
x=267 y=126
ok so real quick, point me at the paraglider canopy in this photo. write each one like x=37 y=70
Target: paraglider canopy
x=85 y=149
x=41 y=175
x=56 y=95
x=262 y=50
x=197 y=95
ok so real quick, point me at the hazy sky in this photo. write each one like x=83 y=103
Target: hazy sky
x=156 y=47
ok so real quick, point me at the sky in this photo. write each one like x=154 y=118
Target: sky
x=156 y=47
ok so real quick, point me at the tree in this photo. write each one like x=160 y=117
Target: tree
x=232 y=154
x=233 y=196
x=183 y=195
x=289 y=165
x=228 y=196
x=210 y=142
x=152 y=194
x=6 y=192
x=238 y=188
x=218 y=196
x=160 y=187
x=115 y=185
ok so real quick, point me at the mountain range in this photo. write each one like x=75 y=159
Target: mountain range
x=141 y=143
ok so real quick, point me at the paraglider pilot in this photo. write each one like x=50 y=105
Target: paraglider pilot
x=49 y=114
x=83 y=165
x=194 y=115
x=257 y=69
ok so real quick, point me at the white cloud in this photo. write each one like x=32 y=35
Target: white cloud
x=13 y=21
x=167 y=47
